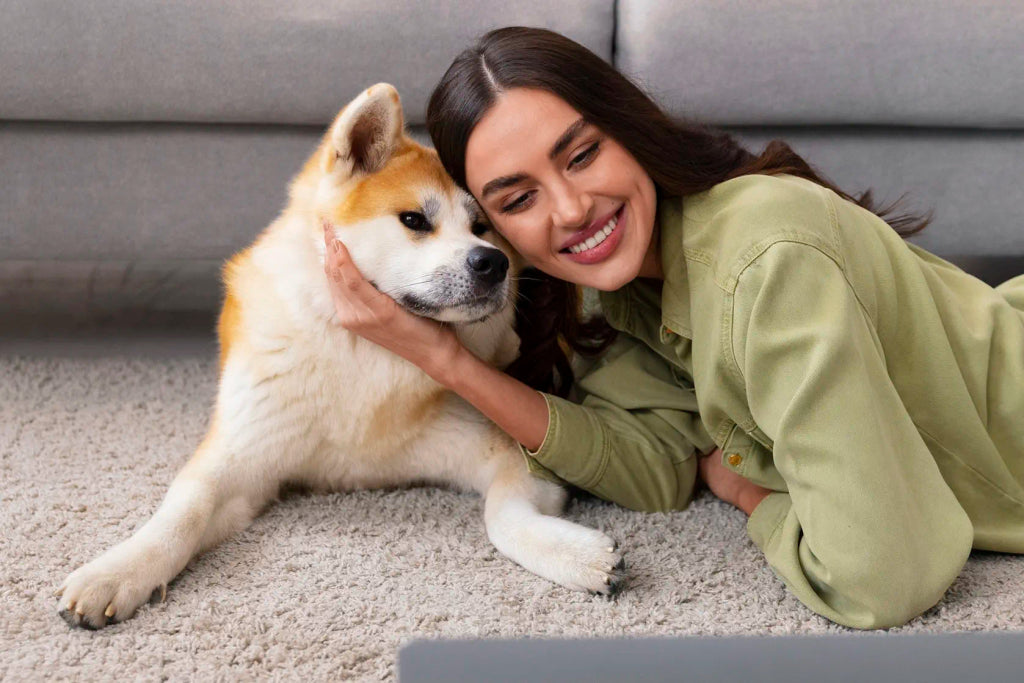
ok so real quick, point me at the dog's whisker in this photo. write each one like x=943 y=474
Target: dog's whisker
x=528 y=278
x=413 y=283
x=526 y=297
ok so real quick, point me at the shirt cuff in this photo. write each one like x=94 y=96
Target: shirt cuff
x=573 y=449
x=767 y=517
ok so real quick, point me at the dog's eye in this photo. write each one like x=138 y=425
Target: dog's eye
x=480 y=229
x=414 y=221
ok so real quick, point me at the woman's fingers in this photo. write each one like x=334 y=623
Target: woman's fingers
x=357 y=300
x=339 y=263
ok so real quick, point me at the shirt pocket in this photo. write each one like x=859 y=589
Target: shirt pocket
x=752 y=460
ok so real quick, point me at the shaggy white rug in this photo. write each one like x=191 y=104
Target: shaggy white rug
x=93 y=429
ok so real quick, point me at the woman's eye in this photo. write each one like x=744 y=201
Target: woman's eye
x=414 y=221
x=585 y=155
x=519 y=202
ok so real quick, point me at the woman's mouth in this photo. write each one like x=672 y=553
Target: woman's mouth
x=600 y=243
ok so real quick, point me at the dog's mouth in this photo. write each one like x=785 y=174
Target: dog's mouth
x=467 y=310
x=419 y=306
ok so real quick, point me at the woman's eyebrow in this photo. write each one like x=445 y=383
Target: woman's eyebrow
x=501 y=183
x=563 y=141
x=567 y=137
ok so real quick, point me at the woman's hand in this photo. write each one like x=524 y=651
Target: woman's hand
x=729 y=486
x=363 y=309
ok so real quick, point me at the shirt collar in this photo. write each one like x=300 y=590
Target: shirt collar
x=633 y=307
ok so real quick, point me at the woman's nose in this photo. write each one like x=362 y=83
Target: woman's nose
x=571 y=207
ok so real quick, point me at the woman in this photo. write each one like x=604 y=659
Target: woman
x=861 y=399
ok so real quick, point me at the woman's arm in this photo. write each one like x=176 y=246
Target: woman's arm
x=520 y=410
x=868 y=534
x=731 y=487
x=634 y=437
x=632 y=441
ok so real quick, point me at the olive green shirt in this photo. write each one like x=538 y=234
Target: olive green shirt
x=877 y=389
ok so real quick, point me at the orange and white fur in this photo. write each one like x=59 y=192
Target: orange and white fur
x=303 y=400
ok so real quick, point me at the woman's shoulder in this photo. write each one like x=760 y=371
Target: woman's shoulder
x=779 y=201
x=735 y=221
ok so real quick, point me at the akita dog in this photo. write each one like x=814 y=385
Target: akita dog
x=303 y=400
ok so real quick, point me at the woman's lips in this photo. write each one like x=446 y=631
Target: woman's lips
x=591 y=230
x=605 y=249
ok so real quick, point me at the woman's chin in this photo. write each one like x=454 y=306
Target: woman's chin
x=607 y=276
x=610 y=278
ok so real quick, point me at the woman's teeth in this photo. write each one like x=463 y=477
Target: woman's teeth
x=598 y=237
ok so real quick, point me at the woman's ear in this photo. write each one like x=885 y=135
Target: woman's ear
x=365 y=133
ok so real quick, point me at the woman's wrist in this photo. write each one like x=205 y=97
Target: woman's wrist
x=516 y=408
x=750 y=498
x=447 y=365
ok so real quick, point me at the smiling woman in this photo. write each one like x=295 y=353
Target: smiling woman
x=859 y=397
x=567 y=122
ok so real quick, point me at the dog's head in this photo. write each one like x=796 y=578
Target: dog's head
x=409 y=228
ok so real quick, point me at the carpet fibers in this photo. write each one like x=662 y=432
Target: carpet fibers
x=330 y=586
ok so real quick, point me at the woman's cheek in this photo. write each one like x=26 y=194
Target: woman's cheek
x=520 y=237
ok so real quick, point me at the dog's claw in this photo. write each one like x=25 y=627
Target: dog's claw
x=163 y=592
x=75 y=620
x=109 y=611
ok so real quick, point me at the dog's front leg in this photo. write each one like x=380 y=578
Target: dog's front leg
x=519 y=515
x=203 y=506
x=520 y=511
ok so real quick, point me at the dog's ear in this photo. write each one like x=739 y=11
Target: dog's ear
x=364 y=134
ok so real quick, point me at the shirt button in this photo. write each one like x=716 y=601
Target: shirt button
x=734 y=459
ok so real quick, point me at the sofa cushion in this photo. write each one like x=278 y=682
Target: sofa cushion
x=777 y=62
x=259 y=61
x=182 y=192
x=105 y=217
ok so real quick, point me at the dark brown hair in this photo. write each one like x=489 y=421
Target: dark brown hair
x=681 y=156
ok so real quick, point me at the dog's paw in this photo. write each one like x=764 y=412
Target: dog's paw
x=588 y=560
x=569 y=554
x=111 y=587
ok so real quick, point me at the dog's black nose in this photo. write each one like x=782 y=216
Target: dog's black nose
x=489 y=265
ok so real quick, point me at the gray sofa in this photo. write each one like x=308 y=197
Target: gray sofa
x=142 y=143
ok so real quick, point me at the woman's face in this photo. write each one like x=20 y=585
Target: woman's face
x=568 y=197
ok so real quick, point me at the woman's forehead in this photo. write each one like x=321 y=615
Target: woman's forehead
x=515 y=133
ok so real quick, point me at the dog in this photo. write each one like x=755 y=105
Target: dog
x=303 y=401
